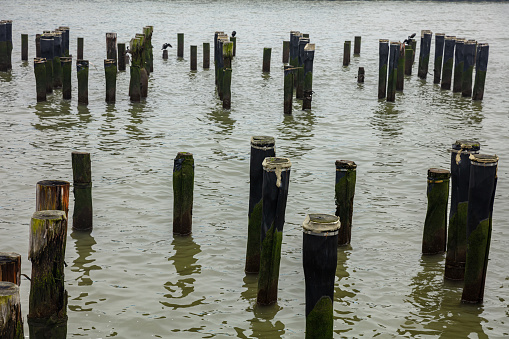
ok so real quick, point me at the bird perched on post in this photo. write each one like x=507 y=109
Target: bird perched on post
x=166 y=45
x=407 y=41
x=234 y=33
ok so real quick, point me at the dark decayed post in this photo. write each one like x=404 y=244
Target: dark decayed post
x=481 y=66
x=435 y=225
x=424 y=54
x=266 y=59
x=148 y=31
x=261 y=147
x=319 y=258
x=206 y=55
x=66 y=63
x=24 y=47
x=111 y=46
x=194 y=56
x=183 y=182
x=393 y=71
x=400 y=75
x=299 y=89
x=226 y=76
x=80 y=46
x=82 y=183
x=360 y=75
x=357 y=46
x=40 y=78
x=37 y=45
x=439 y=52
x=458 y=65
x=82 y=70
x=409 y=52
x=346 y=53
x=227 y=91
x=11 y=320
x=110 y=72
x=481 y=192
x=233 y=39
x=142 y=61
x=294 y=48
x=460 y=177
x=276 y=178
x=47 y=53
x=216 y=60
x=180 y=45
x=57 y=66
x=286 y=51
x=413 y=43
x=449 y=43
x=52 y=195
x=309 y=55
x=10 y=267
x=121 y=56
x=5 y=45
x=382 y=68
x=346 y=175
x=165 y=54
x=135 y=70
x=288 y=88
x=47 y=317
x=65 y=36
x=468 y=68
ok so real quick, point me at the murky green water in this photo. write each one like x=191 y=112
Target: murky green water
x=131 y=278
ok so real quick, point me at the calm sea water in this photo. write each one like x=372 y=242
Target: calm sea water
x=131 y=278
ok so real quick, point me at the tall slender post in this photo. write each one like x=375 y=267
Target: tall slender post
x=409 y=52
x=393 y=71
x=346 y=175
x=288 y=89
x=449 y=43
x=357 y=46
x=82 y=183
x=346 y=53
x=424 y=54
x=266 y=59
x=180 y=45
x=481 y=192
x=66 y=63
x=10 y=267
x=40 y=78
x=468 y=68
x=57 y=53
x=319 y=258
x=481 y=66
x=110 y=73
x=148 y=31
x=299 y=88
x=80 y=45
x=456 y=240
x=439 y=52
x=233 y=39
x=183 y=182
x=65 y=36
x=400 y=75
x=5 y=45
x=309 y=55
x=52 y=195
x=135 y=71
x=294 y=53
x=286 y=51
x=82 y=70
x=382 y=68
x=11 y=320
x=261 y=148
x=227 y=91
x=459 y=61
x=121 y=56
x=206 y=55
x=111 y=46
x=47 y=51
x=194 y=56
x=24 y=47
x=276 y=178
x=37 y=45
x=413 y=43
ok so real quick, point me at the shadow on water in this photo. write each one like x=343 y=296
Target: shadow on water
x=342 y=294
x=221 y=119
x=298 y=129
x=84 y=243
x=6 y=76
x=438 y=308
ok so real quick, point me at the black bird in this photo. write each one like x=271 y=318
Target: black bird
x=234 y=33
x=166 y=45
x=410 y=37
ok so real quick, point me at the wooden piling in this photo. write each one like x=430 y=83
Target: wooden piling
x=11 y=320
x=393 y=71
x=266 y=59
x=439 y=52
x=180 y=45
x=319 y=259
x=5 y=45
x=413 y=43
x=47 y=51
x=121 y=56
x=165 y=54
x=357 y=46
x=346 y=53
x=57 y=66
x=383 y=49
x=289 y=72
x=468 y=67
x=24 y=47
x=82 y=70
x=233 y=39
x=346 y=175
x=400 y=75
x=194 y=56
x=135 y=70
x=481 y=66
x=309 y=55
x=360 y=75
x=286 y=51
x=10 y=267
x=148 y=31
x=110 y=73
x=143 y=82
x=481 y=192
x=294 y=49
x=111 y=47
x=449 y=43
x=261 y=148
x=80 y=44
x=40 y=78
x=276 y=178
x=37 y=45
x=65 y=42
x=82 y=184
x=409 y=52
x=66 y=63
x=206 y=55
x=460 y=180
x=52 y=195
x=299 y=72
x=183 y=182
x=424 y=54
x=227 y=92
x=459 y=62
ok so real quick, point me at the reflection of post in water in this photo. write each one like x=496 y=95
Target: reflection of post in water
x=263 y=324
x=83 y=243
x=221 y=118
x=386 y=120
x=299 y=128
x=342 y=296
x=137 y=113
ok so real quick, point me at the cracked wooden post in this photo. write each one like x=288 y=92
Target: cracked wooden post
x=47 y=317
x=183 y=182
x=82 y=183
x=82 y=71
x=180 y=45
x=206 y=55
x=481 y=192
x=346 y=53
x=10 y=267
x=460 y=179
x=409 y=52
x=194 y=56
x=309 y=55
x=424 y=54
x=299 y=71
x=276 y=178
x=110 y=73
x=288 y=88
x=52 y=195
x=439 y=53
x=481 y=66
x=11 y=320
x=24 y=47
x=382 y=68
x=393 y=71
x=357 y=46
x=261 y=147
x=40 y=78
x=79 y=52
x=346 y=176
x=400 y=76
x=468 y=68
x=66 y=63
x=266 y=59
x=435 y=225
x=458 y=65
x=121 y=56
x=447 y=67
x=319 y=259
x=360 y=75
x=286 y=51
x=47 y=51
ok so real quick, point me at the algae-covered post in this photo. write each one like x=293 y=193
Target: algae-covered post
x=266 y=59
x=66 y=63
x=227 y=92
x=261 y=147
x=194 y=56
x=400 y=75
x=47 y=317
x=140 y=59
x=383 y=49
x=424 y=54
x=360 y=75
x=299 y=89
x=11 y=320
x=286 y=51
x=449 y=43
x=288 y=88
x=110 y=73
x=206 y=55
x=40 y=78
x=409 y=52
x=435 y=225
x=393 y=71
x=309 y=55
x=57 y=66
x=24 y=47
x=458 y=65
x=135 y=70
x=468 y=67
x=460 y=177
x=82 y=70
x=346 y=52
x=10 y=267
x=121 y=56
x=47 y=51
x=276 y=178
x=149 y=50
x=357 y=46
x=319 y=258
x=52 y=195
x=346 y=176
x=180 y=45
x=481 y=65
x=481 y=192
x=82 y=183
x=413 y=43
x=439 y=52
x=183 y=182
x=80 y=45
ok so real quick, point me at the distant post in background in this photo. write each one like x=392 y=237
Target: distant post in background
x=481 y=66
x=80 y=49
x=382 y=68
x=468 y=68
x=346 y=53
x=206 y=55
x=357 y=46
x=286 y=51
x=121 y=56
x=180 y=45
x=24 y=47
x=266 y=59
x=82 y=183
x=82 y=69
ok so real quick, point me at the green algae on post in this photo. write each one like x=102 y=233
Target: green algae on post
x=424 y=54
x=66 y=63
x=393 y=71
x=346 y=176
x=439 y=52
x=408 y=59
x=289 y=72
x=468 y=68
x=110 y=73
x=383 y=49
x=309 y=55
x=266 y=59
x=183 y=185
x=449 y=43
x=11 y=320
x=10 y=267
x=82 y=183
x=40 y=78
x=82 y=70
x=481 y=66
x=233 y=39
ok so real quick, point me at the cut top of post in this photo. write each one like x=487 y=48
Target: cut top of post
x=345 y=165
x=466 y=146
x=309 y=47
x=262 y=142
x=41 y=232
x=438 y=175
x=277 y=165
x=483 y=160
x=321 y=224
x=8 y=289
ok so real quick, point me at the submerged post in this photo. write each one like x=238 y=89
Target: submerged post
x=11 y=320
x=52 y=195
x=286 y=51
x=206 y=55
x=261 y=147
x=183 y=182
x=424 y=54
x=24 y=47
x=458 y=65
x=481 y=192
x=82 y=183
x=10 y=267
x=409 y=52
x=309 y=55
x=382 y=68
x=180 y=45
x=435 y=225
x=468 y=68
x=194 y=56
x=439 y=52
x=40 y=78
x=66 y=63
x=449 y=43
x=346 y=53
x=110 y=73
x=346 y=175
x=82 y=70
x=121 y=56
x=266 y=59
x=360 y=75
x=400 y=75
x=319 y=258
x=481 y=66
x=276 y=177
x=80 y=49
x=393 y=71
x=357 y=46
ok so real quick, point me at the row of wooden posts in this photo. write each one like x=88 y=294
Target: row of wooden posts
x=452 y=56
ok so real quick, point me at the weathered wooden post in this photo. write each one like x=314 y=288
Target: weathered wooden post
x=458 y=65
x=148 y=31
x=65 y=36
x=47 y=317
x=183 y=182
x=309 y=55
x=346 y=175
x=382 y=68
x=165 y=54
x=319 y=258
x=52 y=195
x=135 y=69
x=413 y=43
x=409 y=52
x=439 y=52
x=456 y=240
x=481 y=193
x=357 y=46
x=346 y=53
x=57 y=66
x=37 y=45
x=66 y=63
x=286 y=51
x=449 y=43
x=233 y=39
x=82 y=70
x=5 y=45
x=266 y=59
x=481 y=66
x=10 y=267
x=294 y=49
x=110 y=73
x=24 y=47
x=424 y=53
x=80 y=48
x=121 y=56
x=11 y=320
x=206 y=55
x=82 y=183
x=435 y=225
x=216 y=56
x=261 y=147
x=468 y=68
x=276 y=178
x=111 y=47
x=299 y=88
x=288 y=88
x=180 y=45
x=226 y=63
x=393 y=71
x=194 y=56
x=40 y=78
x=47 y=51
x=360 y=75
x=227 y=92
x=400 y=75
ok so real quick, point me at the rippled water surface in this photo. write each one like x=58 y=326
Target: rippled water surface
x=131 y=278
